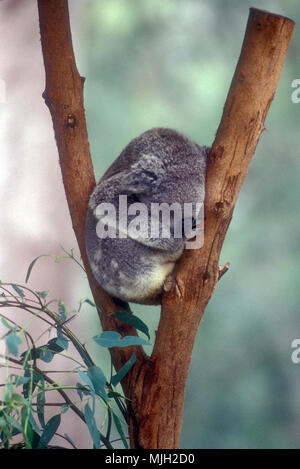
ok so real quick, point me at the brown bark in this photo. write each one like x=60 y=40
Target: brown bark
x=156 y=384
x=64 y=97
x=159 y=402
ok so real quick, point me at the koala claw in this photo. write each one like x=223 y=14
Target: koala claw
x=169 y=283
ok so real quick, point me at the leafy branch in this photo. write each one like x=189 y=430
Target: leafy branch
x=19 y=409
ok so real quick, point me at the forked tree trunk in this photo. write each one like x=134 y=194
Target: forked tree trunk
x=156 y=384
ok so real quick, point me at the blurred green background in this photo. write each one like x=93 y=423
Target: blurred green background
x=170 y=63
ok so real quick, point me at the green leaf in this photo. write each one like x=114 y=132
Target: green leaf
x=88 y=301
x=6 y=324
x=19 y=400
x=62 y=311
x=27 y=430
x=11 y=421
x=132 y=320
x=41 y=403
x=34 y=425
x=45 y=352
x=82 y=391
x=49 y=431
x=98 y=379
x=42 y=294
x=8 y=392
x=113 y=339
x=83 y=353
x=91 y=424
x=34 y=378
x=115 y=394
x=21 y=380
x=32 y=264
x=53 y=346
x=18 y=290
x=4 y=432
x=62 y=342
x=123 y=371
x=69 y=439
x=31 y=437
x=85 y=378
x=120 y=429
x=12 y=342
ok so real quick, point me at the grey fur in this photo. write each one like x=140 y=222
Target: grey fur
x=161 y=165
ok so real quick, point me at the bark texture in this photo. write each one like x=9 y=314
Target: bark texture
x=251 y=92
x=64 y=97
x=156 y=384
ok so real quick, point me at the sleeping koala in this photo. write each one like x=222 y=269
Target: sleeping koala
x=142 y=213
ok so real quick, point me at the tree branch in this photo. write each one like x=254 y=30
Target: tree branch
x=64 y=97
x=157 y=395
x=156 y=384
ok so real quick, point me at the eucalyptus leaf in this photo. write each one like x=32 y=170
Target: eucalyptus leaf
x=13 y=422
x=32 y=264
x=49 y=431
x=34 y=378
x=132 y=320
x=82 y=391
x=18 y=290
x=88 y=301
x=45 y=355
x=113 y=339
x=120 y=429
x=62 y=311
x=42 y=294
x=41 y=403
x=62 y=342
x=9 y=326
x=98 y=379
x=123 y=371
x=34 y=424
x=13 y=342
x=91 y=424
x=45 y=352
x=69 y=439
x=21 y=380
x=85 y=378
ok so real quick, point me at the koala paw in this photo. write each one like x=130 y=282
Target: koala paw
x=169 y=283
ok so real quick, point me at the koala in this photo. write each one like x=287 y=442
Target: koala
x=131 y=246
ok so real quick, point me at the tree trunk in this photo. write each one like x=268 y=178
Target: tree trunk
x=156 y=384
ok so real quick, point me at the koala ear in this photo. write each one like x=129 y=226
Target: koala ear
x=143 y=176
